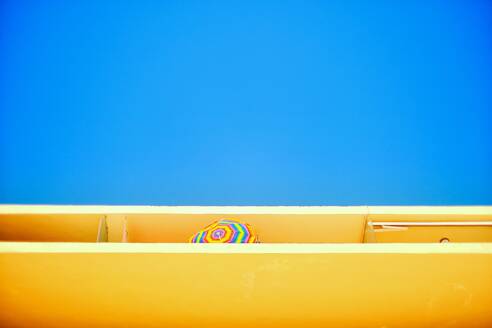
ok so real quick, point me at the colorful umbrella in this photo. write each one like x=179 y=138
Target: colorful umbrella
x=225 y=231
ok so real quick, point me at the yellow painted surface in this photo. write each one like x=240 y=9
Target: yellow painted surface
x=434 y=234
x=117 y=231
x=49 y=227
x=272 y=228
x=71 y=209
x=317 y=267
x=348 y=285
x=274 y=224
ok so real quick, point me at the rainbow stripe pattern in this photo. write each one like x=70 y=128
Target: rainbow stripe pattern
x=226 y=231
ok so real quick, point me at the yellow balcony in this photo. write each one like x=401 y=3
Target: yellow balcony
x=131 y=266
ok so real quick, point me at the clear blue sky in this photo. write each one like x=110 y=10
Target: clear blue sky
x=246 y=102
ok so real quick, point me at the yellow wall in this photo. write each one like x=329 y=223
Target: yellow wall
x=49 y=227
x=271 y=228
x=264 y=285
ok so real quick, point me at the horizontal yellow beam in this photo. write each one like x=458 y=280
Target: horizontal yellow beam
x=183 y=248
x=364 y=210
x=219 y=286
x=433 y=224
x=89 y=209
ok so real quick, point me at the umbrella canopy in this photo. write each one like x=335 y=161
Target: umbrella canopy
x=225 y=231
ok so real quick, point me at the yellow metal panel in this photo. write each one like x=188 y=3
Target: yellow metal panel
x=415 y=234
x=167 y=285
x=438 y=223
x=117 y=231
x=271 y=228
x=49 y=227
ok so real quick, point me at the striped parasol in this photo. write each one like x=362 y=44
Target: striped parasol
x=225 y=231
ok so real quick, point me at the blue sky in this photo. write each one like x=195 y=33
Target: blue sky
x=246 y=102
